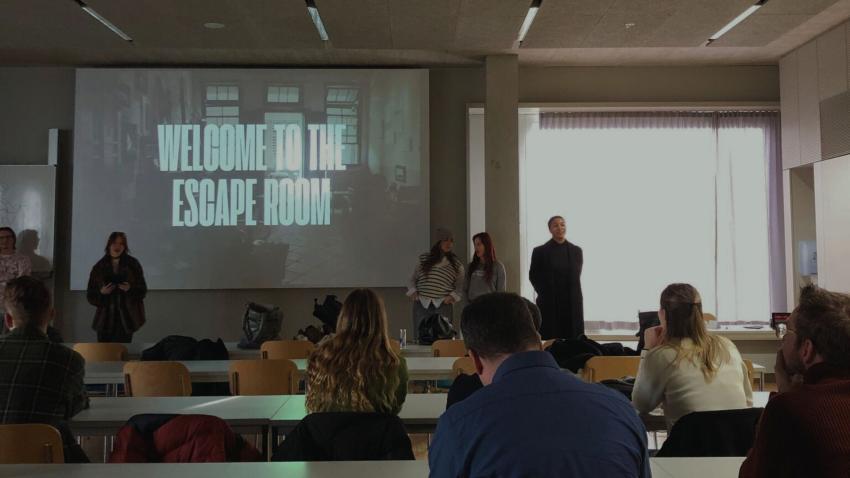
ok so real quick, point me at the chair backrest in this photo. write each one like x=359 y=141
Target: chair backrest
x=448 y=348
x=751 y=372
x=156 y=379
x=548 y=343
x=714 y=433
x=30 y=443
x=396 y=346
x=463 y=365
x=263 y=377
x=286 y=349
x=346 y=436
x=706 y=316
x=102 y=352
x=600 y=368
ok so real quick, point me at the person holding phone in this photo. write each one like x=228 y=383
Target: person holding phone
x=117 y=289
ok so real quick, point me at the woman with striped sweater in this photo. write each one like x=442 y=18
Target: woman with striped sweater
x=437 y=281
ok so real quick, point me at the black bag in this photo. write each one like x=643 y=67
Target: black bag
x=260 y=323
x=328 y=311
x=435 y=327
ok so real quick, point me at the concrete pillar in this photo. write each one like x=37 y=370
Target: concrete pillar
x=501 y=152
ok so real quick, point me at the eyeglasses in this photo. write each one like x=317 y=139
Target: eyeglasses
x=782 y=330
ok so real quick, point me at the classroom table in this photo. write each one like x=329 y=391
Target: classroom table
x=134 y=350
x=661 y=468
x=418 y=368
x=419 y=413
x=250 y=415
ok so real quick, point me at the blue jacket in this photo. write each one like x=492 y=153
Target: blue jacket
x=535 y=420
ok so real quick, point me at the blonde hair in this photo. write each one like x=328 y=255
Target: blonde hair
x=682 y=306
x=356 y=370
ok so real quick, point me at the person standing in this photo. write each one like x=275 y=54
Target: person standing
x=117 y=288
x=485 y=274
x=12 y=263
x=555 y=274
x=437 y=281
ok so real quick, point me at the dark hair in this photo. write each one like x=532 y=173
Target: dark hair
x=498 y=323
x=27 y=299
x=824 y=318
x=436 y=254
x=489 y=254
x=113 y=238
x=536 y=317
x=549 y=222
x=14 y=237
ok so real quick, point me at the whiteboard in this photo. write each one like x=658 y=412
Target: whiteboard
x=27 y=203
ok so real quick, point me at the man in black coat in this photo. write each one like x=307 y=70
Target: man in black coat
x=556 y=276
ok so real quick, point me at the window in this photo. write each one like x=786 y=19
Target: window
x=283 y=94
x=341 y=107
x=222 y=104
x=657 y=198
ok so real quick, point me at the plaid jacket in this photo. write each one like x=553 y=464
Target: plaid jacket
x=39 y=381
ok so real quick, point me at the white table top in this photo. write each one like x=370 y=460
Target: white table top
x=661 y=468
x=134 y=350
x=715 y=467
x=418 y=409
x=418 y=368
x=113 y=412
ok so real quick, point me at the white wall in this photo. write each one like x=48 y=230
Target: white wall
x=832 y=203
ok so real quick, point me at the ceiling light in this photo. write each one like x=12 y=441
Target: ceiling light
x=214 y=25
x=529 y=19
x=317 y=20
x=104 y=21
x=740 y=18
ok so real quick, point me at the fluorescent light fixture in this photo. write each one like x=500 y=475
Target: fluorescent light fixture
x=104 y=21
x=529 y=19
x=740 y=18
x=317 y=20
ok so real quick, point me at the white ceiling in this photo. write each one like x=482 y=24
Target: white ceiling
x=409 y=32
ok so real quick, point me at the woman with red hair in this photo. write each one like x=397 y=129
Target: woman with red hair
x=485 y=274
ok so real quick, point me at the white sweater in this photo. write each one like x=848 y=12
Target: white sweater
x=683 y=389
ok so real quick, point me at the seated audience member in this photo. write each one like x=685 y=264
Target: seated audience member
x=40 y=381
x=805 y=429
x=357 y=370
x=467 y=384
x=531 y=419
x=685 y=368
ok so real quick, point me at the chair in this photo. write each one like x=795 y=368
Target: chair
x=448 y=348
x=463 y=365
x=396 y=346
x=30 y=443
x=708 y=317
x=751 y=374
x=286 y=349
x=102 y=352
x=714 y=433
x=547 y=343
x=156 y=379
x=346 y=436
x=263 y=377
x=600 y=368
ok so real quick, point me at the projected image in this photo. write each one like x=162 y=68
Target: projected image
x=253 y=178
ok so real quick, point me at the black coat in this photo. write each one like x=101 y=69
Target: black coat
x=555 y=274
x=346 y=436
x=131 y=302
